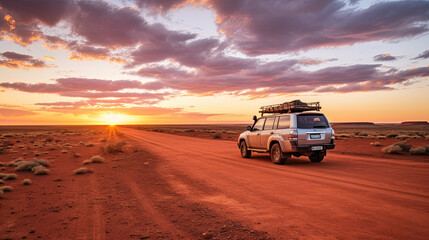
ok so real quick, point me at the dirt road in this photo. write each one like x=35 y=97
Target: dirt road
x=344 y=197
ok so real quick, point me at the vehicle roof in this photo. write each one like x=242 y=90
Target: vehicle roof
x=294 y=113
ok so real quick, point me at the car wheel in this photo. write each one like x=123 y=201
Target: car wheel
x=316 y=157
x=244 y=152
x=276 y=155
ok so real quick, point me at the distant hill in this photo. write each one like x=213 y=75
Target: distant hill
x=408 y=123
x=353 y=123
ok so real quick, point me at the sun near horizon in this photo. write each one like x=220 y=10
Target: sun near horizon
x=193 y=62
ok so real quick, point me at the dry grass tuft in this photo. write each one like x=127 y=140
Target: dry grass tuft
x=2 y=164
x=403 y=137
x=64 y=151
x=87 y=161
x=375 y=144
x=6 y=189
x=1 y=182
x=381 y=137
x=392 y=149
x=103 y=140
x=418 y=151
x=26 y=182
x=89 y=145
x=15 y=162
x=114 y=147
x=82 y=170
x=40 y=170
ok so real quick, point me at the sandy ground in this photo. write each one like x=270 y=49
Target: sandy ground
x=180 y=187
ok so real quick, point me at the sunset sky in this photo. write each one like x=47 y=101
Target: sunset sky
x=211 y=61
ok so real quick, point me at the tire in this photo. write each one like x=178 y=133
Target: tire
x=316 y=157
x=276 y=155
x=243 y=150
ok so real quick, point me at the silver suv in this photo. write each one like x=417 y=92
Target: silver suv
x=286 y=135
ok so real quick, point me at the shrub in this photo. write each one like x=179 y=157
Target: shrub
x=8 y=176
x=403 y=137
x=97 y=159
x=6 y=189
x=64 y=151
x=418 y=151
x=89 y=145
x=40 y=170
x=87 y=161
x=82 y=170
x=2 y=164
x=26 y=182
x=381 y=137
x=392 y=135
x=41 y=162
x=26 y=166
x=103 y=140
x=15 y=162
x=114 y=147
x=217 y=136
x=376 y=144
x=405 y=146
x=392 y=149
x=1 y=182
x=76 y=155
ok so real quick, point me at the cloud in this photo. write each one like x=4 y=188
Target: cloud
x=17 y=60
x=160 y=6
x=423 y=55
x=384 y=57
x=273 y=26
x=10 y=112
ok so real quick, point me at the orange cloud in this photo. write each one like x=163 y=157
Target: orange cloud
x=11 y=22
x=49 y=58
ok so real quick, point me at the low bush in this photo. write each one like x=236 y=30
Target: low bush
x=9 y=176
x=97 y=159
x=26 y=166
x=2 y=164
x=418 y=151
x=40 y=170
x=1 y=182
x=392 y=149
x=217 y=136
x=6 y=189
x=376 y=144
x=15 y=162
x=89 y=145
x=26 y=182
x=403 y=137
x=405 y=146
x=82 y=170
x=64 y=151
x=114 y=147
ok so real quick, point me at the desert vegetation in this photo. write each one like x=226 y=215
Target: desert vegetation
x=116 y=147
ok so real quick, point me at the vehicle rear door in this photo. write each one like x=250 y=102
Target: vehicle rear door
x=255 y=135
x=313 y=129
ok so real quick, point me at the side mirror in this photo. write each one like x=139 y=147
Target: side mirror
x=255 y=118
x=249 y=128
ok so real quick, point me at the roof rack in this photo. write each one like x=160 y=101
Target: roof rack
x=289 y=107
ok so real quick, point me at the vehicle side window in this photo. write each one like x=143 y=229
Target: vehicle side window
x=276 y=122
x=259 y=124
x=269 y=123
x=284 y=122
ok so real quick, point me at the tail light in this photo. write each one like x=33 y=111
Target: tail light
x=333 y=134
x=293 y=135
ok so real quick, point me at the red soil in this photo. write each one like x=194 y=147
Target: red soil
x=178 y=187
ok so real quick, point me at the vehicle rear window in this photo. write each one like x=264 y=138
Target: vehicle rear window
x=284 y=122
x=269 y=123
x=312 y=121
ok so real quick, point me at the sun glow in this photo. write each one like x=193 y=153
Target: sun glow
x=114 y=118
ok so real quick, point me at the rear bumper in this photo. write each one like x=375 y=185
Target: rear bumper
x=301 y=149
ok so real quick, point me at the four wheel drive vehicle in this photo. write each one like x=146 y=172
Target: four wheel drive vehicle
x=292 y=130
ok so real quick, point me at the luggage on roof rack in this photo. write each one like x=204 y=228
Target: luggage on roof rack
x=289 y=107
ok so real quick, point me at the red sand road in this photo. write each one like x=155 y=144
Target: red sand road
x=344 y=197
